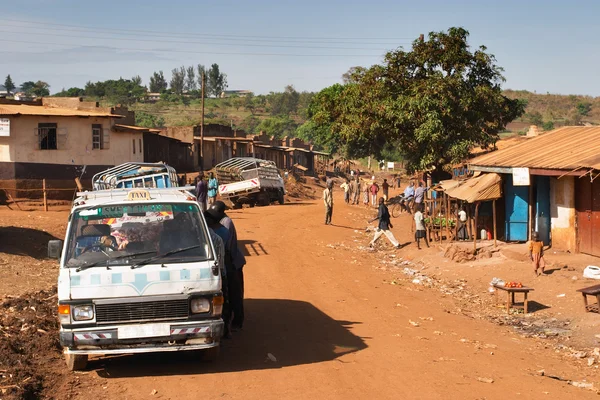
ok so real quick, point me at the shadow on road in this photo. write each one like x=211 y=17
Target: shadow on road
x=295 y=332
x=252 y=248
x=24 y=241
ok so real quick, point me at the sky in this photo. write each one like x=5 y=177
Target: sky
x=544 y=46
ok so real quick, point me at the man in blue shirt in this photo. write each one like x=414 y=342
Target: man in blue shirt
x=420 y=196
x=213 y=188
x=409 y=195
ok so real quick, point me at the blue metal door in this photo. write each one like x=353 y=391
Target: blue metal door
x=542 y=208
x=517 y=210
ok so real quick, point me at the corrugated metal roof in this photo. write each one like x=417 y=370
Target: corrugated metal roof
x=566 y=148
x=478 y=188
x=133 y=128
x=22 y=109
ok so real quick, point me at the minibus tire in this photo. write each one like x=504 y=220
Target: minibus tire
x=76 y=362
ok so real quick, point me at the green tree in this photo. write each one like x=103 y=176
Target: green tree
x=71 y=92
x=178 y=80
x=249 y=124
x=9 y=85
x=584 y=108
x=278 y=126
x=284 y=103
x=249 y=103
x=190 y=79
x=28 y=87
x=122 y=91
x=201 y=71
x=137 y=80
x=148 y=120
x=548 y=125
x=216 y=82
x=436 y=101
x=158 y=83
x=535 y=117
x=41 y=89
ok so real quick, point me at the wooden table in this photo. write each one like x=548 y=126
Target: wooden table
x=510 y=297
x=591 y=291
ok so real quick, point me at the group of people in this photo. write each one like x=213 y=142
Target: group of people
x=370 y=191
x=206 y=192
x=231 y=261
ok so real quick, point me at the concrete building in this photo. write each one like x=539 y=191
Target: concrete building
x=239 y=93
x=46 y=139
x=550 y=186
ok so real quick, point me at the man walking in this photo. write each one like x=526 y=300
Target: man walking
x=213 y=188
x=383 y=215
x=420 y=196
x=236 y=274
x=328 y=200
x=201 y=192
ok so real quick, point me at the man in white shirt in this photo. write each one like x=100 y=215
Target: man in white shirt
x=420 y=232
x=462 y=232
x=328 y=201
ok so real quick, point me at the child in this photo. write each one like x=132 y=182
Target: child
x=346 y=187
x=420 y=232
x=536 y=253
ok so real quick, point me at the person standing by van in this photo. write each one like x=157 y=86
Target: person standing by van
x=213 y=188
x=201 y=192
x=236 y=275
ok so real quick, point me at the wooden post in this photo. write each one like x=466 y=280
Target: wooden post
x=495 y=222
x=45 y=196
x=475 y=235
x=202 y=124
x=447 y=217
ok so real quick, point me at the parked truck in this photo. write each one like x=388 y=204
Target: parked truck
x=136 y=175
x=252 y=181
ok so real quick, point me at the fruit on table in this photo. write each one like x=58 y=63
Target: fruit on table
x=513 y=285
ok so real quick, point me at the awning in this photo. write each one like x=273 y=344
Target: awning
x=445 y=185
x=300 y=167
x=478 y=188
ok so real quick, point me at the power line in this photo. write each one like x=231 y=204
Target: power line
x=191 y=42
x=215 y=35
x=191 y=51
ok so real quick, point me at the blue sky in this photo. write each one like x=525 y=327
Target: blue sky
x=544 y=46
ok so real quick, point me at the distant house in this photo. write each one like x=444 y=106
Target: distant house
x=55 y=140
x=22 y=96
x=239 y=93
x=152 y=97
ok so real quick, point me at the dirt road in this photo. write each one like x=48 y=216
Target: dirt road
x=338 y=331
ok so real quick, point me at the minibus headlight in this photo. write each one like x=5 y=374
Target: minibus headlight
x=199 y=305
x=83 y=313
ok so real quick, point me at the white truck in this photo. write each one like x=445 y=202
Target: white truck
x=252 y=181
x=138 y=273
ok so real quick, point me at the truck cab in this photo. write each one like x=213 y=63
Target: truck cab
x=138 y=273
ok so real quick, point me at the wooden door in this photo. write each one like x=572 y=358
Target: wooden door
x=583 y=205
x=595 y=220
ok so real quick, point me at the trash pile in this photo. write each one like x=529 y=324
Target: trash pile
x=29 y=348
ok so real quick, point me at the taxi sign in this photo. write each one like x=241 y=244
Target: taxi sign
x=138 y=195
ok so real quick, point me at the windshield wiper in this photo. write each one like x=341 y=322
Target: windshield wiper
x=168 y=253
x=86 y=266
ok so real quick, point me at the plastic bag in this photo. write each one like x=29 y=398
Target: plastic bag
x=591 y=272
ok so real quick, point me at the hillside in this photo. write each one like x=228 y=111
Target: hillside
x=543 y=109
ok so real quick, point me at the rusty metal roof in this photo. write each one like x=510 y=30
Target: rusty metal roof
x=132 y=128
x=567 y=148
x=22 y=109
x=477 y=188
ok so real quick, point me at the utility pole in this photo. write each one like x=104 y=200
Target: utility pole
x=202 y=125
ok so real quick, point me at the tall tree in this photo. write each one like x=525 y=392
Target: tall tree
x=190 y=79
x=437 y=101
x=28 y=87
x=137 y=80
x=284 y=103
x=216 y=81
x=178 y=80
x=158 y=83
x=41 y=89
x=9 y=84
x=201 y=71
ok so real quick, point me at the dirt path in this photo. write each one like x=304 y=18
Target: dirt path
x=338 y=331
